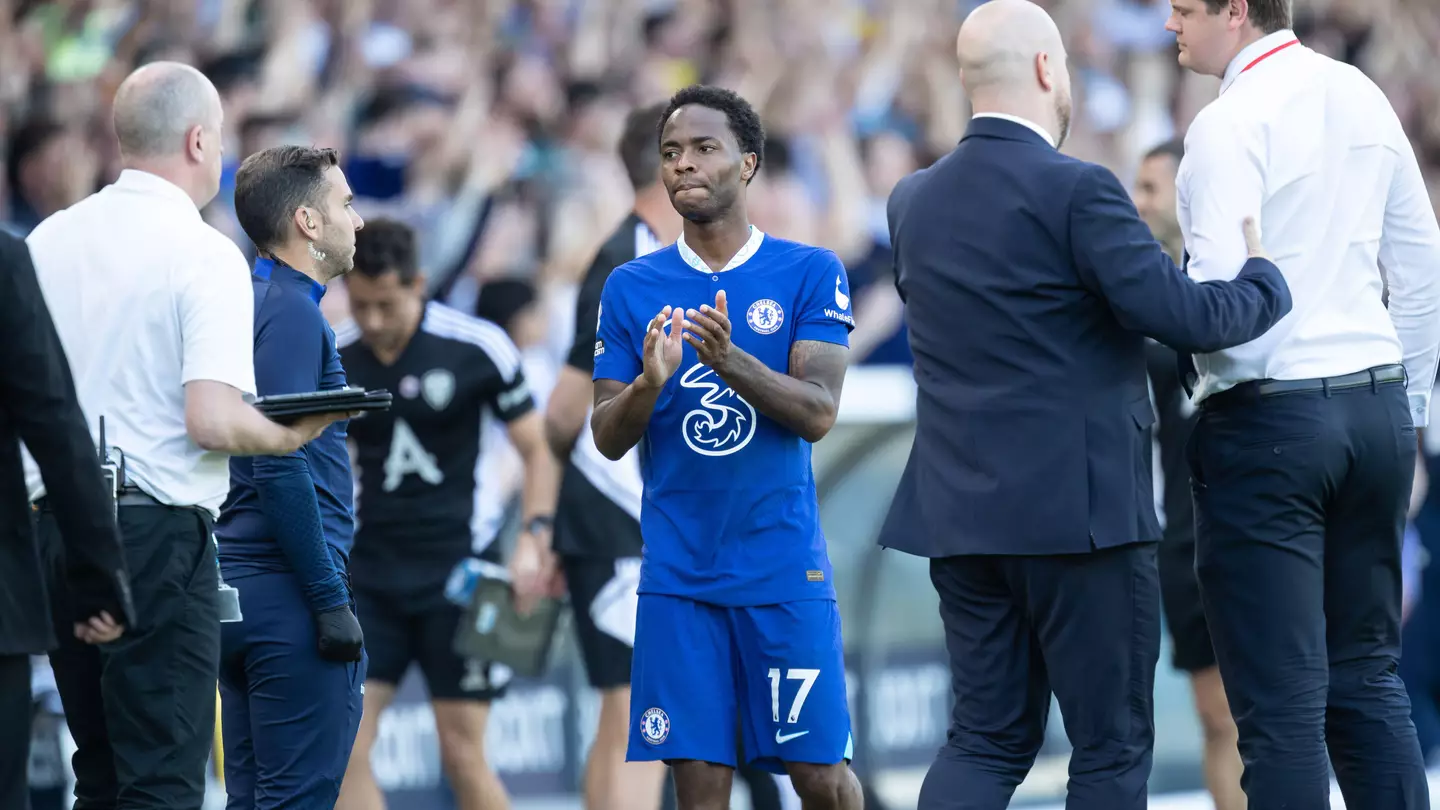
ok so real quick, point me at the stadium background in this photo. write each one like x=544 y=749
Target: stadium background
x=489 y=125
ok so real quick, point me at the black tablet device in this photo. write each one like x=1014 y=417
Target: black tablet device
x=289 y=407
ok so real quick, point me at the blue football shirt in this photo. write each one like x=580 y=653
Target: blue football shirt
x=729 y=514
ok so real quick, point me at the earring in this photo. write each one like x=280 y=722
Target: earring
x=315 y=253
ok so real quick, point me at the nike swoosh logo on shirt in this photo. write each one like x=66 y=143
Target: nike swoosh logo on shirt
x=784 y=738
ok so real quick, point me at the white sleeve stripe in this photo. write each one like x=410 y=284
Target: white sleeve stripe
x=486 y=513
x=346 y=333
x=479 y=332
x=444 y=322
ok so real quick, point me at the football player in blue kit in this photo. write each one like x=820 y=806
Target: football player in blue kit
x=722 y=356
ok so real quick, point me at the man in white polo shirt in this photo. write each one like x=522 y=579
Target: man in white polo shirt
x=154 y=309
x=1303 y=455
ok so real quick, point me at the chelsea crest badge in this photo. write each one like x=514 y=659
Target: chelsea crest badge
x=765 y=316
x=654 y=726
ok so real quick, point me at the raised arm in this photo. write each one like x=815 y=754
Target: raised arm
x=1120 y=261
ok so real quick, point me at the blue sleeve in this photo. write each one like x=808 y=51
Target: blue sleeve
x=1120 y=261
x=617 y=355
x=825 y=303
x=289 y=345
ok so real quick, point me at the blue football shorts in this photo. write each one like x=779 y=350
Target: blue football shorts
x=705 y=679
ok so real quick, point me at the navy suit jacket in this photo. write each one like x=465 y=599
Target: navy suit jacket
x=1030 y=283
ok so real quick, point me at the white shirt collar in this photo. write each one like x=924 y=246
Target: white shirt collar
x=741 y=256
x=139 y=182
x=645 y=239
x=1024 y=122
x=1253 y=51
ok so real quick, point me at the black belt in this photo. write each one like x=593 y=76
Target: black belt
x=1254 y=389
x=128 y=496
x=134 y=496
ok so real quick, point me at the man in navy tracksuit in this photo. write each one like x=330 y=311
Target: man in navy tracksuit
x=291 y=671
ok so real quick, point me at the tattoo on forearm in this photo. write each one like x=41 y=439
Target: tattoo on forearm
x=820 y=363
x=806 y=398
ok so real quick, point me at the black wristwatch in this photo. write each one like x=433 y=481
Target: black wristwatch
x=540 y=523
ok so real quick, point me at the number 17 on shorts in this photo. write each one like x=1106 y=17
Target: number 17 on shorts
x=779 y=669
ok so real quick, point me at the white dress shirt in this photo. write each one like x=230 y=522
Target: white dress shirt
x=146 y=297
x=1312 y=148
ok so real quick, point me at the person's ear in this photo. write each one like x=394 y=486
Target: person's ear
x=748 y=165
x=307 y=222
x=1044 y=75
x=195 y=143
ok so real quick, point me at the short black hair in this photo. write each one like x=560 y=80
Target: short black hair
x=1172 y=148
x=394 y=101
x=233 y=69
x=272 y=183
x=502 y=299
x=254 y=124
x=1267 y=15
x=743 y=120
x=29 y=138
x=777 y=152
x=580 y=92
x=654 y=25
x=637 y=149
x=387 y=246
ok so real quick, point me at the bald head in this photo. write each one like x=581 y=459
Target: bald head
x=158 y=105
x=998 y=44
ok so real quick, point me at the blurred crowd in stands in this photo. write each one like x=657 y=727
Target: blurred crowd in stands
x=490 y=124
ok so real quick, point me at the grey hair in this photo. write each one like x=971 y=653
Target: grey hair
x=157 y=104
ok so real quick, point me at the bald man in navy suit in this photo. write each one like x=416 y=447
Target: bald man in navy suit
x=1030 y=285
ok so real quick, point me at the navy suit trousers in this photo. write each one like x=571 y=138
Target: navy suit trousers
x=1300 y=502
x=1085 y=626
x=288 y=717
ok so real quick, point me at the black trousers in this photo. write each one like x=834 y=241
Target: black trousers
x=142 y=709
x=1300 y=503
x=1085 y=627
x=16 y=717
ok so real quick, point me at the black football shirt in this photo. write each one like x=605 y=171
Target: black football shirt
x=417 y=466
x=599 y=508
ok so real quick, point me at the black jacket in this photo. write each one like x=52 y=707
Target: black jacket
x=38 y=406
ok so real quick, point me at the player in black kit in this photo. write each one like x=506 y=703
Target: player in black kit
x=419 y=513
x=1179 y=587
x=597 y=531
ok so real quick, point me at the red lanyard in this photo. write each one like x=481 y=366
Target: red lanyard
x=1262 y=57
